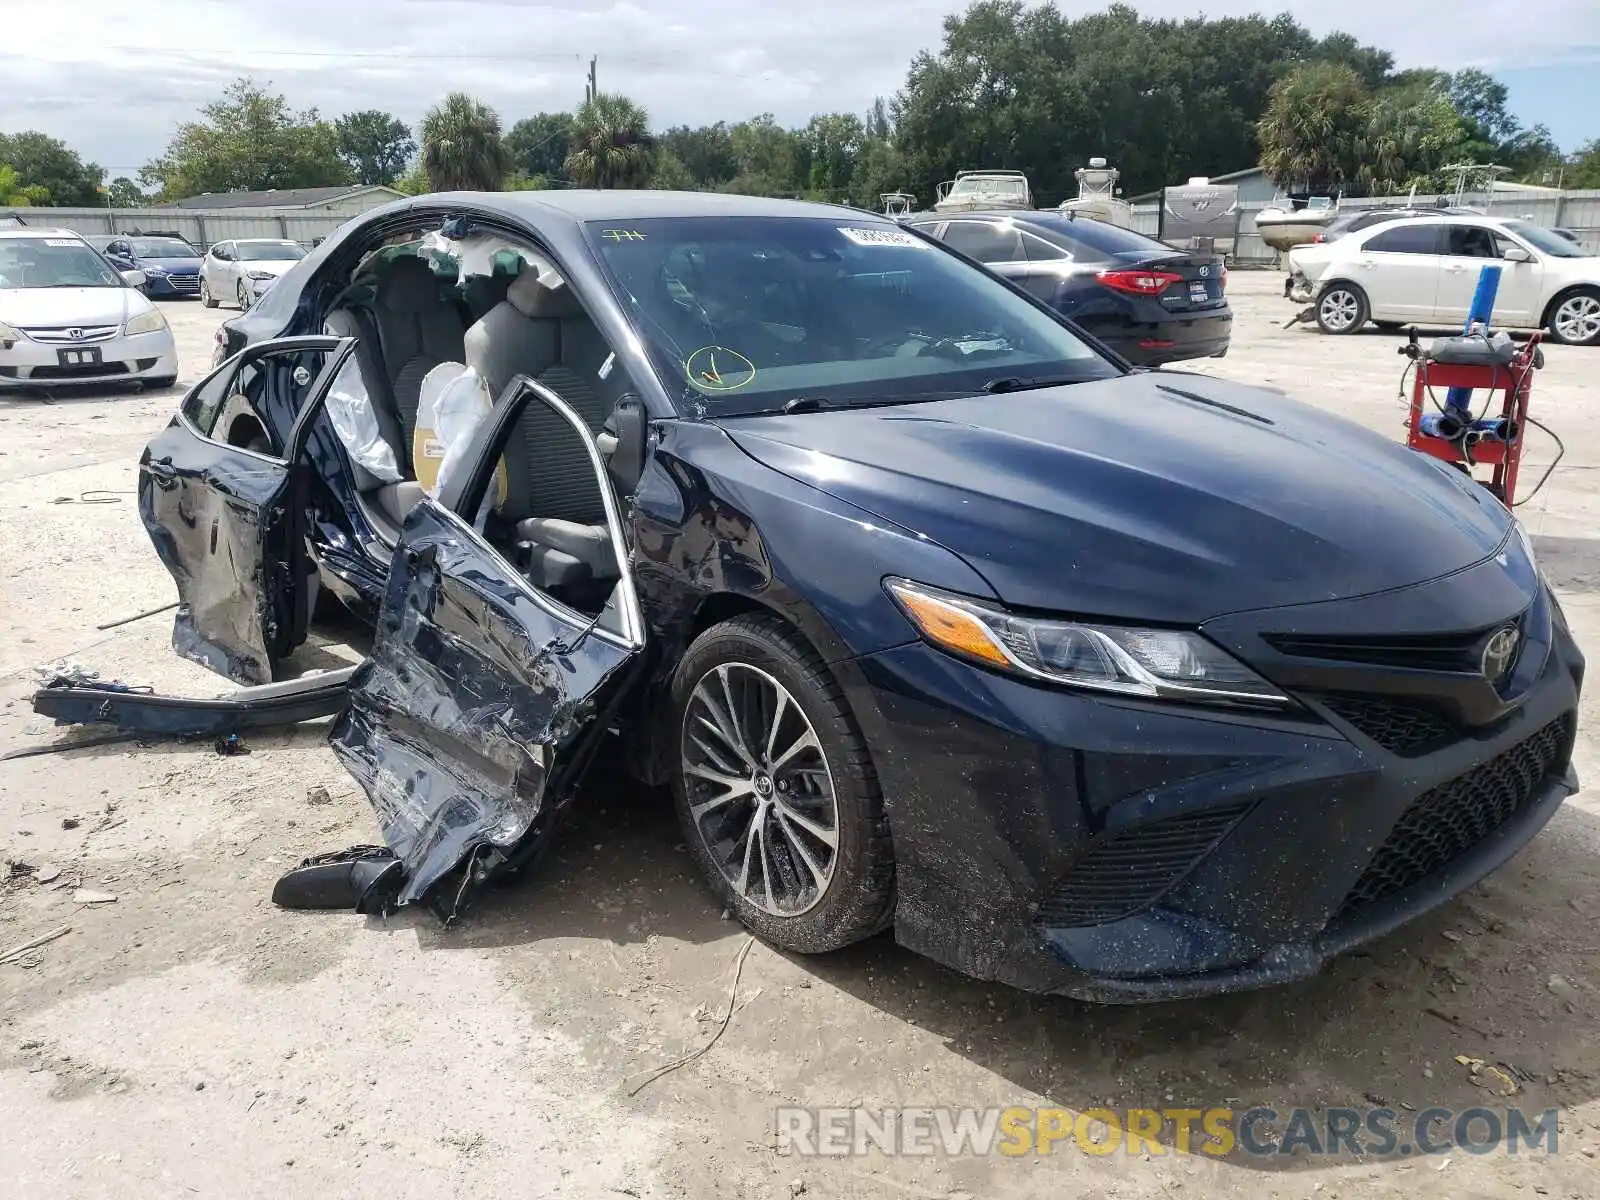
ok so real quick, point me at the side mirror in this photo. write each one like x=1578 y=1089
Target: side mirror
x=631 y=428
x=1516 y=254
x=134 y=278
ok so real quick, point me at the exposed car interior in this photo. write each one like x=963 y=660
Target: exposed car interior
x=500 y=310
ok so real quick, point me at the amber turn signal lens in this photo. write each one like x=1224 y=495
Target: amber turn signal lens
x=948 y=625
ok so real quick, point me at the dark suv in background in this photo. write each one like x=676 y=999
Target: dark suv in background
x=1148 y=302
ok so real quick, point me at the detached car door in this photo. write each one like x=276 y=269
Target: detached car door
x=223 y=499
x=484 y=696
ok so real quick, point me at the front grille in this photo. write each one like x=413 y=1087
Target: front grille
x=1130 y=869
x=1453 y=652
x=1447 y=821
x=185 y=283
x=61 y=334
x=87 y=371
x=1404 y=729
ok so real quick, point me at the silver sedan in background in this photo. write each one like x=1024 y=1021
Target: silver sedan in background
x=240 y=271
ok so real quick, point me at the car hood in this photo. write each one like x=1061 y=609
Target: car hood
x=35 y=307
x=172 y=266
x=1155 y=497
x=268 y=266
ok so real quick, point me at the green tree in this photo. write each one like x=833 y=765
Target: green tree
x=414 y=182
x=521 y=181
x=770 y=159
x=1583 y=171
x=15 y=194
x=1481 y=100
x=671 y=175
x=376 y=145
x=832 y=143
x=47 y=163
x=706 y=153
x=249 y=139
x=1312 y=130
x=1410 y=132
x=611 y=144
x=123 y=192
x=462 y=149
x=539 y=144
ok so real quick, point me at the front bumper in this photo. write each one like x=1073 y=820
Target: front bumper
x=1123 y=852
x=123 y=359
x=172 y=285
x=1298 y=288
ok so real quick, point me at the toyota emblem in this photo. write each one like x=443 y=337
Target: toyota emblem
x=1499 y=652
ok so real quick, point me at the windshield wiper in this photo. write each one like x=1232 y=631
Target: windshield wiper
x=802 y=404
x=1018 y=383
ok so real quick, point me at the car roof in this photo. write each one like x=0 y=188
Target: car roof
x=581 y=204
x=33 y=231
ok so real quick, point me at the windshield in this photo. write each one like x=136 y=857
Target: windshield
x=1546 y=242
x=747 y=314
x=269 y=252
x=989 y=186
x=53 y=263
x=163 y=248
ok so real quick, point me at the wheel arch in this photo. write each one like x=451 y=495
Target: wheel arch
x=1565 y=293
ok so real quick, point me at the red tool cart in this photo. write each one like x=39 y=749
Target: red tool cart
x=1510 y=384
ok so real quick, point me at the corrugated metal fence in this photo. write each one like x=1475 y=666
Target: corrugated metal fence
x=1577 y=211
x=201 y=227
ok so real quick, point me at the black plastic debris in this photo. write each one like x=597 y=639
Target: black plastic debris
x=231 y=745
x=364 y=878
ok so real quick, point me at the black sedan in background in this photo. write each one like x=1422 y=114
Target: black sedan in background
x=932 y=615
x=1150 y=303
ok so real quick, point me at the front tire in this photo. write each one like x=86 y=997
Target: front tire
x=1575 y=318
x=1341 y=308
x=206 y=298
x=244 y=301
x=775 y=790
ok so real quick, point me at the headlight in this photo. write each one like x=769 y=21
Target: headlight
x=261 y=275
x=8 y=334
x=1162 y=663
x=154 y=270
x=145 y=322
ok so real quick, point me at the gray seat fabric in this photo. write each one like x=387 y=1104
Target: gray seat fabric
x=396 y=500
x=417 y=330
x=552 y=492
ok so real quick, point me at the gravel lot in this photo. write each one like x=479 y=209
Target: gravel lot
x=190 y=1039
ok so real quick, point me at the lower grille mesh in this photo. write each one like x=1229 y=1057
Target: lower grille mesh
x=1403 y=729
x=1130 y=869
x=1447 y=821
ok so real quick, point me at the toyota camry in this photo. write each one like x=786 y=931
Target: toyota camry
x=933 y=614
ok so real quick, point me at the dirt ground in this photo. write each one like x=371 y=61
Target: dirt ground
x=188 y=1038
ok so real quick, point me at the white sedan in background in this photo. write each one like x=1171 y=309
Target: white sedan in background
x=68 y=317
x=240 y=271
x=1424 y=271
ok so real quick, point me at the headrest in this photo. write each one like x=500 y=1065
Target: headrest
x=533 y=299
x=409 y=286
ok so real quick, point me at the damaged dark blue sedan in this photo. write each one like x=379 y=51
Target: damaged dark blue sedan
x=933 y=613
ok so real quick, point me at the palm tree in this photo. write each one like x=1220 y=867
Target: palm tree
x=1310 y=131
x=611 y=146
x=461 y=146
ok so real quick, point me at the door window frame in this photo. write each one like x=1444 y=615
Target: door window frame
x=466 y=496
x=339 y=350
x=1386 y=229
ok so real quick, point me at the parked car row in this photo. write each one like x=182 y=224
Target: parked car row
x=1410 y=269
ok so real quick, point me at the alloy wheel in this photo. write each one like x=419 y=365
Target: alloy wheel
x=205 y=292
x=759 y=789
x=1339 y=309
x=1577 y=320
x=244 y=302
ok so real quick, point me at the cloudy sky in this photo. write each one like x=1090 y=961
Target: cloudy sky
x=114 y=87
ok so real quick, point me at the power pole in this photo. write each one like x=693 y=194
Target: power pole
x=591 y=89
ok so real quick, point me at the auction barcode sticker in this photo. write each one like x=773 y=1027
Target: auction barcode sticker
x=882 y=237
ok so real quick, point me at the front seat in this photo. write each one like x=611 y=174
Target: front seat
x=552 y=493
x=417 y=330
